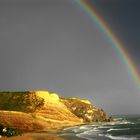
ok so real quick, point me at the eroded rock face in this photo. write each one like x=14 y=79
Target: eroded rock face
x=85 y=110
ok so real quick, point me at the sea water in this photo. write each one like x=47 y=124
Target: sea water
x=122 y=128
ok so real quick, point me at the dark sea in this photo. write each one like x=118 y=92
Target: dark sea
x=122 y=128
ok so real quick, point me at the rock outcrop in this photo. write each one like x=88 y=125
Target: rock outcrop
x=85 y=110
x=40 y=110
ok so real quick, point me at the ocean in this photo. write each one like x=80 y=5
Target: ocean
x=124 y=127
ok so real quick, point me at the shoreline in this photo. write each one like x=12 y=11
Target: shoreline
x=35 y=136
x=52 y=134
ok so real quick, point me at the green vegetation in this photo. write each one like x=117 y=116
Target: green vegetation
x=20 y=101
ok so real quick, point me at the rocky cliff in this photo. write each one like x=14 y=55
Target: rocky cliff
x=40 y=110
x=85 y=110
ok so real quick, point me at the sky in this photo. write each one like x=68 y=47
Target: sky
x=55 y=46
x=124 y=19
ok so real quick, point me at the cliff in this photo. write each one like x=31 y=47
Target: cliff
x=42 y=111
x=85 y=110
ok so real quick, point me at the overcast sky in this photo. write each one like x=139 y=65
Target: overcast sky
x=54 y=45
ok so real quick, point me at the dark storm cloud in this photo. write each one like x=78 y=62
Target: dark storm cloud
x=53 y=45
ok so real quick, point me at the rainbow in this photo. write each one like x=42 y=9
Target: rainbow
x=116 y=44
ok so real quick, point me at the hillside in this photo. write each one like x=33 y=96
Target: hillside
x=42 y=111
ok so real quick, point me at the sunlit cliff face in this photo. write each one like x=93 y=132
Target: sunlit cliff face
x=84 y=101
x=48 y=97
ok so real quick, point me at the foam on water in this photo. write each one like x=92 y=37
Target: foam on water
x=114 y=129
x=119 y=129
x=120 y=138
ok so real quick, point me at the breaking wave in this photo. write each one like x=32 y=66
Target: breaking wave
x=122 y=128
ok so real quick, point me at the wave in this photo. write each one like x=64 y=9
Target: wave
x=120 y=138
x=70 y=128
x=84 y=136
x=91 y=137
x=118 y=119
x=115 y=122
x=117 y=129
